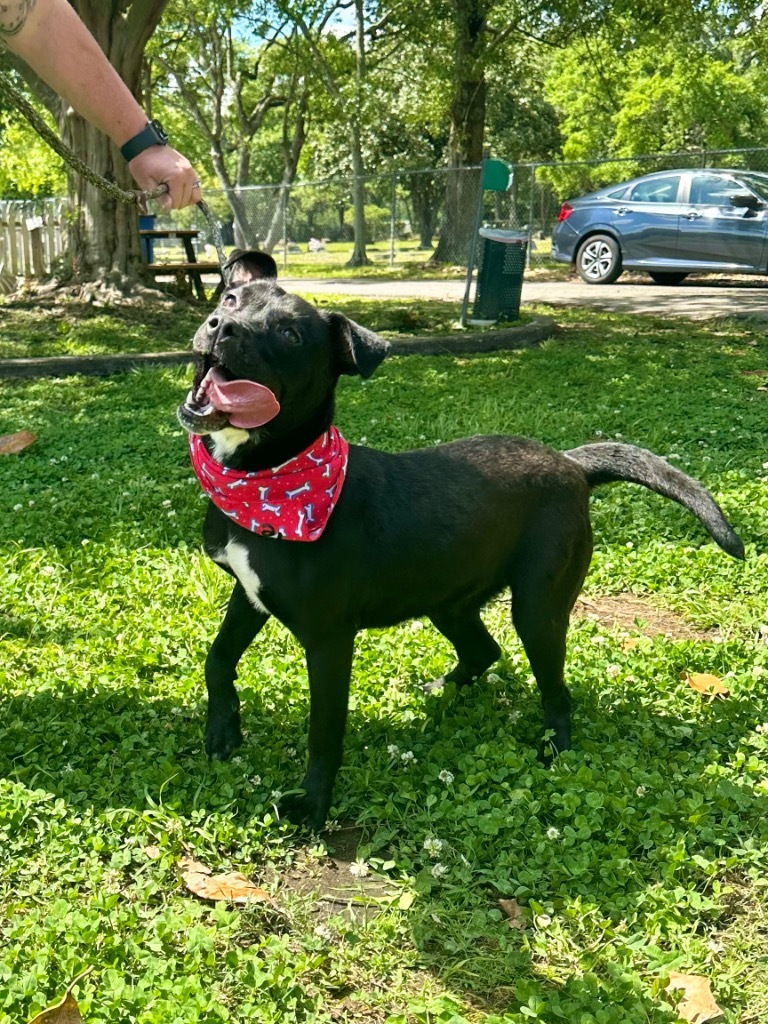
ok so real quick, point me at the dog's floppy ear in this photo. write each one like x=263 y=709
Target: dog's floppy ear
x=358 y=350
x=242 y=267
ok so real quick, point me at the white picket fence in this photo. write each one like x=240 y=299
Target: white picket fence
x=32 y=237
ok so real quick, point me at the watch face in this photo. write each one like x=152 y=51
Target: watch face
x=161 y=133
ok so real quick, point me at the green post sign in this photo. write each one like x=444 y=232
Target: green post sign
x=496 y=176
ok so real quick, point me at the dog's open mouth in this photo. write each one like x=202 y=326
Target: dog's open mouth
x=215 y=402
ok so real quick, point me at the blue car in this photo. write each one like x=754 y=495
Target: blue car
x=670 y=224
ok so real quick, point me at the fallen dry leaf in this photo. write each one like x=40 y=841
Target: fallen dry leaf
x=12 y=444
x=709 y=685
x=630 y=643
x=514 y=914
x=698 y=1004
x=233 y=886
x=66 y=1011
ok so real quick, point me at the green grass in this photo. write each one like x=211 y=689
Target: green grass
x=79 y=330
x=641 y=851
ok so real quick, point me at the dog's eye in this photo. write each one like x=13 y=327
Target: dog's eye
x=290 y=334
x=229 y=300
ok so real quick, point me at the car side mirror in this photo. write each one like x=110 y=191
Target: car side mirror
x=746 y=201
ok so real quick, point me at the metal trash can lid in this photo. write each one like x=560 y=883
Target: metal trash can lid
x=503 y=235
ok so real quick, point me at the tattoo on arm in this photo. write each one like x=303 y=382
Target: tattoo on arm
x=13 y=15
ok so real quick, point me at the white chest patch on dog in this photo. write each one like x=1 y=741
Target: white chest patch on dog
x=235 y=558
x=227 y=441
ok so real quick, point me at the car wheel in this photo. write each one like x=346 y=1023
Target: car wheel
x=598 y=260
x=666 y=276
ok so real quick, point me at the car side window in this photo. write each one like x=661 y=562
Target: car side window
x=658 y=190
x=712 y=190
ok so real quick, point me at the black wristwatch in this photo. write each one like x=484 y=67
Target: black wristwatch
x=153 y=134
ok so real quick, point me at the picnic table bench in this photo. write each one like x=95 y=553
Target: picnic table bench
x=191 y=267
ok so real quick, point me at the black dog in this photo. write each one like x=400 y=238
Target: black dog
x=435 y=532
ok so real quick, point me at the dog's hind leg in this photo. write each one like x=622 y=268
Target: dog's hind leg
x=544 y=589
x=329 y=664
x=241 y=624
x=475 y=647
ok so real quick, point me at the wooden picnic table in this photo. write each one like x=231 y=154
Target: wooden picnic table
x=191 y=267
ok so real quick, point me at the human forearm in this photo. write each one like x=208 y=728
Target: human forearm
x=50 y=37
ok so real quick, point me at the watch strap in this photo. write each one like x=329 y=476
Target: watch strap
x=152 y=134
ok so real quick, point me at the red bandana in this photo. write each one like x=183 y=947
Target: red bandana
x=293 y=501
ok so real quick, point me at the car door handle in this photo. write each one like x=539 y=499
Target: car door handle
x=622 y=210
x=693 y=215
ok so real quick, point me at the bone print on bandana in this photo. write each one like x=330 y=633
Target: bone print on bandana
x=293 y=501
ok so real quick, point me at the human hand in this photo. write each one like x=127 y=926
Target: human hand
x=161 y=165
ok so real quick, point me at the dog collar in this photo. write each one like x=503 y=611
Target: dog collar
x=292 y=501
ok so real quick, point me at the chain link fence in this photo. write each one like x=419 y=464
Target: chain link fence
x=406 y=212
x=411 y=216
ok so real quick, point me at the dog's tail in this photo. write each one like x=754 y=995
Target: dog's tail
x=609 y=462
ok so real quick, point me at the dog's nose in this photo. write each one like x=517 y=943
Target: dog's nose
x=219 y=328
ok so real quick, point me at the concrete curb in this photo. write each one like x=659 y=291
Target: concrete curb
x=522 y=336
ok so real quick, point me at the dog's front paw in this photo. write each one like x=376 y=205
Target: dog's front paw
x=303 y=810
x=222 y=736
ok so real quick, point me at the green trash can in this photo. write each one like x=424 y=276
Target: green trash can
x=500 y=267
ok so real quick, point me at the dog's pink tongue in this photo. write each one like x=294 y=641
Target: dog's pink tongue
x=247 y=404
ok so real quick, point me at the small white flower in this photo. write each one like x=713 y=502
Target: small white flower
x=94 y=476
x=18 y=507
x=167 y=503
x=445 y=776
x=274 y=796
x=493 y=678
x=758 y=671
x=67 y=768
x=553 y=833
x=612 y=671
x=641 y=790
x=322 y=931
x=433 y=846
x=408 y=756
x=597 y=639
x=393 y=750
x=416 y=626
x=171 y=513
x=291 y=752
x=237 y=759
x=358 y=868
x=255 y=780
x=438 y=870
x=515 y=716
x=30 y=503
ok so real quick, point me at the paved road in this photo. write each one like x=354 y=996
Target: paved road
x=640 y=295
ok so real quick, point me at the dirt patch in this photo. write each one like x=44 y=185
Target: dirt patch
x=341 y=884
x=637 y=615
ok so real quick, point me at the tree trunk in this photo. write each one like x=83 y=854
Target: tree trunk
x=465 y=143
x=359 y=257
x=103 y=233
x=291 y=153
